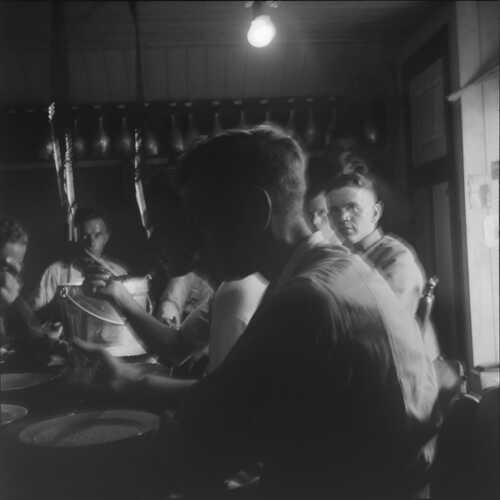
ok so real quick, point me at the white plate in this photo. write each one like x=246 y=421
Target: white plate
x=89 y=428
x=18 y=381
x=9 y=413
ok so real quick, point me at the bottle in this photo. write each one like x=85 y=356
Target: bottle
x=79 y=145
x=192 y=132
x=310 y=132
x=216 y=125
x=175 y=141
x=242 y=123
x=331 y=128
x=267 y=111
x=102 y=141
x=151 y=147
x=427 y=301
x=124 y=142
x=290 y=124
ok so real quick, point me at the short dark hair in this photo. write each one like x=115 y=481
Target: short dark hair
x=12 y=231
x=84 y=214
x=366 y=181
x=264 y=156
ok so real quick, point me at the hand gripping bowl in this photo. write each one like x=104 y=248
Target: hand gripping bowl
x=97 y=320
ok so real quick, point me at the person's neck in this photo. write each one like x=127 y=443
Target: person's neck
x=367 y=241
x=286 y=235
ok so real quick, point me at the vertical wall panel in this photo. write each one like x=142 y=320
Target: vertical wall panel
x=236 y=70
x=446 y=290
x=36 y=65
x=476 y=21
x=117 y=75
x=176 y=73
x=152 y=74
x=78 y=76
x=197 y=71
x=215 y=71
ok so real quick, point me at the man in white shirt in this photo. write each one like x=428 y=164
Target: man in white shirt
x=94 y=235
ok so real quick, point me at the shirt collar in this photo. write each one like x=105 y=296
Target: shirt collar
x=315 y=239
x=365 y=243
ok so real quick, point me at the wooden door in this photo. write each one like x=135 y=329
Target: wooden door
x=433 y=188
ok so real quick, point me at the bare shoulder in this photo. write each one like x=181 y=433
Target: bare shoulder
x=244 y=289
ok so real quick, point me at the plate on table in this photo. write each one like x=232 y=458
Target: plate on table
x=90 y=428
x=9 y=413
x=20 y=381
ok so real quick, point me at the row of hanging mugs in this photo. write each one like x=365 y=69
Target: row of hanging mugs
x=100 y=132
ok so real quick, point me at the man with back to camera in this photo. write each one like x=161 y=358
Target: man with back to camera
x=94 y=234
x=329 y=385
x=355 y=210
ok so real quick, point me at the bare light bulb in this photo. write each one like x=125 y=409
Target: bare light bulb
x=261 y=31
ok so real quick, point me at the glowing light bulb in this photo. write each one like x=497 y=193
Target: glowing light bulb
x=261 y=32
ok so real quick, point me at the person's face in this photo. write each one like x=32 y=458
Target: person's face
x=14 y=253
x=94 y=236
x=354 y=212
x=317 y=213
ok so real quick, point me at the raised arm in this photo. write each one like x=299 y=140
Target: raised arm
x=159 y=338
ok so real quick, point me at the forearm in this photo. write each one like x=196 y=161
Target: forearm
x=156 y=387
x=158 y=337
x=22 y=320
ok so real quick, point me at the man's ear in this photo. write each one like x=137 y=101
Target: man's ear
x=378 y=211
x=265 y=208
x=256 y=209
x=107 y=236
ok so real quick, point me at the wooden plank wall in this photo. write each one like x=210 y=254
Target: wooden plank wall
x=191 y=59
x=478 y=45
x=195 y=72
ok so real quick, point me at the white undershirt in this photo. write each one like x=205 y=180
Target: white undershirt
x=234 y=304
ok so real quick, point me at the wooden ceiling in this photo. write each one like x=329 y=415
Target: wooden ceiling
x=195 y=50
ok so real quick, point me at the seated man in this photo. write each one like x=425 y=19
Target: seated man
x=18 y=323
x=94 y=234
x=329 y=386
x=355 y=211
x=9 y=284
x=13 y=245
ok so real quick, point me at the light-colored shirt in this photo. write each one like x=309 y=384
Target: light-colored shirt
x=233 y=306
x=398 y=263
x=215 y=326
x=329 y=383
x=184 y=294
x=63 y=273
